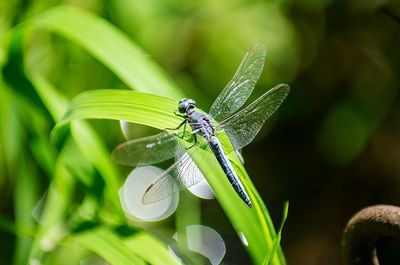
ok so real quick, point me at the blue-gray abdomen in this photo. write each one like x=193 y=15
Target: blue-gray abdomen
x=227 y=167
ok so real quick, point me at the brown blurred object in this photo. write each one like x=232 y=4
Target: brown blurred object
x=364 y=230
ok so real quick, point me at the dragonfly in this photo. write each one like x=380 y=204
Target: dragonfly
x=225 y=115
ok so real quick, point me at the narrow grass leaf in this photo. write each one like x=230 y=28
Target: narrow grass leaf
x=244 y=219
x=277 y=239
x=59 y=200
x=254 y=223
x=96 y=153
x=109 y=246
x=26 y=195
x=132 y=106
x=110 y=46
x=9 y=226
x=150 y=249
x=85 y=138
x=128 y=62
x=55 y=102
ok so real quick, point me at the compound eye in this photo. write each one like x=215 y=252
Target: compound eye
x=192 y=102
x=183 y=106
x=184 y=99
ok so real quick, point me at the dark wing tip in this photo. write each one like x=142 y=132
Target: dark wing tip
x=148 y=188
x=257 y=48
x=145 y=198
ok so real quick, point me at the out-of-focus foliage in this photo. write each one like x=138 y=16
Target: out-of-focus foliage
x=333 y=149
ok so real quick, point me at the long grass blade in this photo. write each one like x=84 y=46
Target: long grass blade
x=109 y=46
x=255 y=223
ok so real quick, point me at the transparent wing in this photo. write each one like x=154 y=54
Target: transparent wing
x=146 y=150
x=181 y=175
x=243 y=126
x=238 y=90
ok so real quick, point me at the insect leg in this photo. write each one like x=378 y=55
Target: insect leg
x=194 y=138
x=184 y=130
x=179 y=126
x=180 y=114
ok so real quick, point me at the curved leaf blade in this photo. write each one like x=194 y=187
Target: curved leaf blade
x=131 y=106
x=157 y=112
x=110 y=46
x=109 y=246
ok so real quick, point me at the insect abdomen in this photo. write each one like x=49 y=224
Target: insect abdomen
x=227 y=167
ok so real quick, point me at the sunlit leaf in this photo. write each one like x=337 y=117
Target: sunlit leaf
x=109 y=246
x=26 y=195
x=139 y=72
x=278 y=236
x=254 y=223
x=136 y=107
x=109 y=46
x=150 y=249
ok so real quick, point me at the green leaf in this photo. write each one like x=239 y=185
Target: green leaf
x=93 y=150
x=157 y=112
x=86 y=139
x=58 y=202
x=9 y=226
x=96 y=153
x=136 y=107
x=128 y=62
x=253 y=223
x=150 y=249
x=54 y=101
x=277 y=239
x=26 y=195
x=109 y=46
x=109 y=246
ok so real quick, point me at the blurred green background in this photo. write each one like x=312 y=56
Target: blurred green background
x=332 y=148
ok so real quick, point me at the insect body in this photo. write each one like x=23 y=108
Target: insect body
x=201 y=124
x=241 y=126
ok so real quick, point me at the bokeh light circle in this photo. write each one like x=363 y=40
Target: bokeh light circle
x=205 y=241
x=131 y=194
